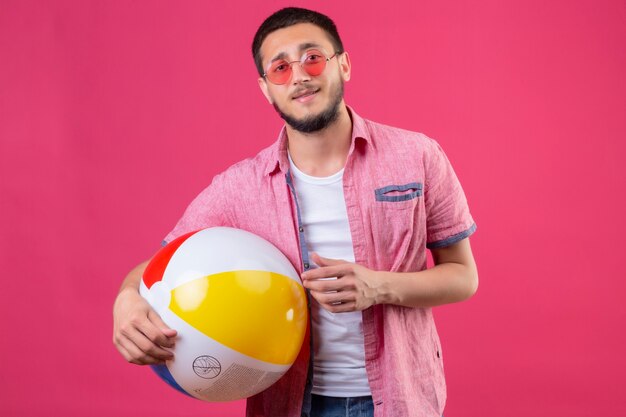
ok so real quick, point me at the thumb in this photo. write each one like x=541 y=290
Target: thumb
x=325 y=261
x=158 y=322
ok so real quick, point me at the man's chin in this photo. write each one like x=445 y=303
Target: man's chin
x=313 y=122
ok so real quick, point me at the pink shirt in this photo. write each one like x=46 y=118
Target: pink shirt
x=402 y=197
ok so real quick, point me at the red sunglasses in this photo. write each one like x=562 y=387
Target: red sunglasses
x=312 y=62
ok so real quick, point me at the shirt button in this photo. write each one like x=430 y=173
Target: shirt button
x=306 y=265
x=301 y=229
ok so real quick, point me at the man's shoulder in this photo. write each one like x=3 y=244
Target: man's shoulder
x=386 y=137
x=251 y=167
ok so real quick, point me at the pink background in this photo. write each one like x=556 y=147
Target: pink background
x=115 y=114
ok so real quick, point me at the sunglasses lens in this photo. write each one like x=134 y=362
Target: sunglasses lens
x=314 y=63
x=279 y=72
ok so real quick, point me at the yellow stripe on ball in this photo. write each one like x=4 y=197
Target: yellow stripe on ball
x=261 y=314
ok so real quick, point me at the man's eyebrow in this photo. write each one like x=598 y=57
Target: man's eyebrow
x=301 y=47
x=308 y=45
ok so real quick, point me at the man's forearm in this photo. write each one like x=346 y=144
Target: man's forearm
x=445 y=283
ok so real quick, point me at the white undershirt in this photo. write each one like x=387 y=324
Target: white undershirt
x=339 y=356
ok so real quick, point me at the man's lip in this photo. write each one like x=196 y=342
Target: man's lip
x=304 y=93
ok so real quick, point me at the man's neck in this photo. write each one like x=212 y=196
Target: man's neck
x=323 y=153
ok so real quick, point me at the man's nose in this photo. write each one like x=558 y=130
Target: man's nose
x=298 y=74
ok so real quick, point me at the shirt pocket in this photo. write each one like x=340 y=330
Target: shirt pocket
x=399 y=196
x=395 y=211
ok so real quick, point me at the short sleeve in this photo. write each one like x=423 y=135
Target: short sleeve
x=448 y=219
x=209 y=209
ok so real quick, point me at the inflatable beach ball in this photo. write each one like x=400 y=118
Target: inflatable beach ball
x=238 y=306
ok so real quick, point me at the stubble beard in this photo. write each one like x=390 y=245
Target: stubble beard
x=316 y=122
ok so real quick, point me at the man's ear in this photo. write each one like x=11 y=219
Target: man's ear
x=345 y=66
x=263 y=87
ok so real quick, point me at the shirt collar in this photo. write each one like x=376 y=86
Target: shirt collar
x=279 y=162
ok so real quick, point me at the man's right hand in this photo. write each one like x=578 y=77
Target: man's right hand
x=138 y=331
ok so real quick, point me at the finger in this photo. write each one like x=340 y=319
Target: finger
x=335 y=271
x=134 y=354
x=147 y=346
x=125 y=353
x=152 y=332
x=167 y=335
x=333 y=298
x=322 y=286
x=152 y=349
x=321 y=261
x=137 y=357
x=343 y=307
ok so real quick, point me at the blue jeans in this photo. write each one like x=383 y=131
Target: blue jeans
x=322 y=406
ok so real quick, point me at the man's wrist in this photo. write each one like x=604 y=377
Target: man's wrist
x=397 y=288
x=384 y=288
x=128 y=291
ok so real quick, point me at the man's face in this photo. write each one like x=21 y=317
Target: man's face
x=307 y=103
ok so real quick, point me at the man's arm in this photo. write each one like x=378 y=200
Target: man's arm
x=453 y=278
x=138 y=332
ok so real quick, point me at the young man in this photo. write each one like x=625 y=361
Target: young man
x=354 y=205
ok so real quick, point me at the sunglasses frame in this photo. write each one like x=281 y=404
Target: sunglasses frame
x=301 y=62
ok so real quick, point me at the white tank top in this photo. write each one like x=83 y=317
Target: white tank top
x=338 y=348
